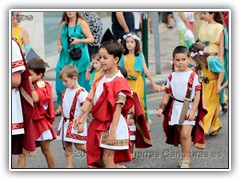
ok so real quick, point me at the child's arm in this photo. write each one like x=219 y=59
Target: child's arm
x=221 y=47
x=35 y=96
x=196 y=101
x=16 y=79
x=131 y=116
x=163 y=104
x=224 y=85
x=82 y=117
x=80 y=120
x=219 y=81
x=25 y=39
x=157 y=88
x=88 y=74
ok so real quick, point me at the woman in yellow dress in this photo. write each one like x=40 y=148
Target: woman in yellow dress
x=134 y=62
x=211 y=34
x=212 y=78
x=20 y=33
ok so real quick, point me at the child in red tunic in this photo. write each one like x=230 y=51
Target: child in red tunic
x=110 y=101
x=181 y=85
x=43 y=115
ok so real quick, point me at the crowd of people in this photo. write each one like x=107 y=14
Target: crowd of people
x=105 y=79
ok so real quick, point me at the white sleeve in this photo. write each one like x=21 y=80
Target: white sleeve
x=196 y=81
x=121 y=99
x=196 y=86
x=82 y=97
x=17 y=60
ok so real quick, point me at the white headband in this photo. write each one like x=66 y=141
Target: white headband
x=134 y=36
x=193 y=54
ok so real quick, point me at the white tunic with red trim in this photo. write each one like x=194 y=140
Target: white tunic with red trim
x=177 y=85
x=122 y=132
x=17 y=116
x=71 y=106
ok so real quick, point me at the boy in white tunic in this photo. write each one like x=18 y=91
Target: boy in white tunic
x=178 y=85
x=72 y=100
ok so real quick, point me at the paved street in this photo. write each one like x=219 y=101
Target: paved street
x=160 y=155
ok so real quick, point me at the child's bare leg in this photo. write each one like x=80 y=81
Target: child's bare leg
x=185 y=139
x=69 y=154
x=21 y=161
x=12 y=165
x=81 y=147
x=108 y=158
x=131 y=150
x=47 y=152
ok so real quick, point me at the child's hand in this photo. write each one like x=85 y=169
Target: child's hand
x=111 y=137
x=78 y=122
x=131 y=122
x=163 y=88
x=159 y=112
x=157 y=88
x=219 y=89
x=191 y=115
x=80 y=128
x=89 y=68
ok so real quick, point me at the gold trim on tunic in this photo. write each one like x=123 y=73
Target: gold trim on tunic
x=119 y=142
x=121 y=99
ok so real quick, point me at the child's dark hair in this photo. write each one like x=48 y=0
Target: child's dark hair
x=37 y=65
x=217 y=17
x=112 y=47
x=180 y=49
x=137 y=50
x=123 y=71
x=70 y=71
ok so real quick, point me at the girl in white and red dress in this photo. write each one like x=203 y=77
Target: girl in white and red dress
x=43 y=115
x=72 y=100
x=109 y=101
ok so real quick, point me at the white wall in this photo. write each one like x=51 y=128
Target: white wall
x=35 y=30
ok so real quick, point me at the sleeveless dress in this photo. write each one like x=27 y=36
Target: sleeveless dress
x=65 y=59
x=211 y=120
x=211 y=40
x=133 y=65
x=16 y=32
